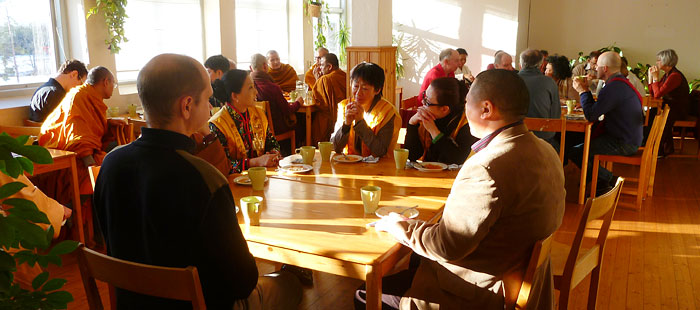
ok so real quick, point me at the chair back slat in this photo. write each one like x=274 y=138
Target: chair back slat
x=517 y=284
x=164 y=282
x=93 y=171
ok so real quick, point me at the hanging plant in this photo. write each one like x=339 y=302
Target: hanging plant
x=114 y=12
x=343 y=40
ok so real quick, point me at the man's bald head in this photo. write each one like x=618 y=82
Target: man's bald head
x=164 y=80
x=506 y=91
x=449 y=59
x=503 y=60
x=320 y=52
x=608 y=64
x=329 y=62
x=530 y=58
x=97 y=75
x=258 y=62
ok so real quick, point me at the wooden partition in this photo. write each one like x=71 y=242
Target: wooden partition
x=385 y=57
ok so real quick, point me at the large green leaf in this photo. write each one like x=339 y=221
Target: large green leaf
x=26 y=164
x=10 y=189
x=45 y=260
x=64 y=247
x=5 y=281
x=53 y=285
x=7 y=234
x=9 y=141
x=12 y=167
x=7 y=263
x=40 y=280
x=26 y=256
x=59 y=299
x=31 y=236
x=22 y=139
x=26 y=209
x=36 y=154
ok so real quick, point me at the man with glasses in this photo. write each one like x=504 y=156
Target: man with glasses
x=314 y=72
x=449 y=62
x=71 y=73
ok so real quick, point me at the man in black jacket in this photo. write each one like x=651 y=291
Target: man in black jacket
x=158 y=204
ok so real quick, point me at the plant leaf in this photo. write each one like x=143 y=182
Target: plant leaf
x=53 y=285
x=12 y=168
x=40 y=279
x=64 y=247
x=30 y=235
x=59 y=299
x=36 y=153
x=10 y=189
x=7 y=234
x=7 y=263
x=27 y=210
x=26 y=164
x=5 y=281
x=26 y=256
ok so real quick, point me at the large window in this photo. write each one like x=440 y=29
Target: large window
x=27 y=52
x=261 y=25
x=159 y=26
x=331 y=20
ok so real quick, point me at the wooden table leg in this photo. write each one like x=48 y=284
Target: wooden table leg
x=584 y=164
x=374 y=288
x=308 y=126
x=78 y=218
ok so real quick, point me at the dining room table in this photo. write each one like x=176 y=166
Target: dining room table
x=315 y=219
x=576 y=122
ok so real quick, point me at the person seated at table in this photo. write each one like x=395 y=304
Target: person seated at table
x=673 y=88
x=216 y=66
x=588 y=69
x=439 y=130
x=491 y=65
x=508 y=195
x=544 y=54
x=544 y=95
x=79 y=124
x=449 y=62
x=314 y=73
x=367 y=124
x=463 y=69
x=638 y=85
x=328 y=90
x=45 y=99
x=558 y=68
x=241 y=127
x=621 y=132
x=160 y=205
x=282 y=74
x=282 y=112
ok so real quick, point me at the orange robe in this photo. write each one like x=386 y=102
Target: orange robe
x=327 y=92
x=376 y=119
x=309 y=77
x=78 y=124
x=285 y=77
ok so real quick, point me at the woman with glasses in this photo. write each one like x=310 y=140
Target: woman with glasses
x=366 y=123
x=439 y=130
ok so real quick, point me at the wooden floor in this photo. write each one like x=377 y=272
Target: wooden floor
x=652 y=258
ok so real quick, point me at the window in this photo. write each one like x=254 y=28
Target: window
x=335 y=14
x=27 y=51
x=261 y=25
x=159 y=26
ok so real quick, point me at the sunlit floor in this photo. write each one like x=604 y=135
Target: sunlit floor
x=652 y=258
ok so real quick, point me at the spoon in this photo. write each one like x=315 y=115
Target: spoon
x=405 y=210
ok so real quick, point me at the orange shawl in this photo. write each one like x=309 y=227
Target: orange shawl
x=78 y=124
x=285 y=77
x=427 y=140
x=376 y=119
x=225 y=123
x=327 y=92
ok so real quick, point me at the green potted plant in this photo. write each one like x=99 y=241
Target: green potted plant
x=114 y=12
x=343 y=40
x=22 y=241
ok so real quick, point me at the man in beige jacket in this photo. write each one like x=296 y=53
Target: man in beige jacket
x=508 y=195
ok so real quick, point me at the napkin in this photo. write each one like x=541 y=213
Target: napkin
x=370 y=159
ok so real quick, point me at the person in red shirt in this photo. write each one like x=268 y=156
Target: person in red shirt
x=449 y=62
x=673 y=88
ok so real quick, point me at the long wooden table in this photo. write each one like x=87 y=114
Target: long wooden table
x=585 y=127
x=316 y=220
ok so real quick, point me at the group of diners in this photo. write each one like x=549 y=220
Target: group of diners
x=169 y=187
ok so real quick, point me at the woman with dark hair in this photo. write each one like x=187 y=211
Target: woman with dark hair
x=242 y=128
x=673 y=88
x=558 y=68
x=439 y=130
x=366 y=123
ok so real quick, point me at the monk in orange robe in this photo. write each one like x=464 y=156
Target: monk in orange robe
x=315 y=71
x=79 y=124
x=283 y=75
x=327 y=92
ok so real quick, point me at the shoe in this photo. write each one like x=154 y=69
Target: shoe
x=304 y=275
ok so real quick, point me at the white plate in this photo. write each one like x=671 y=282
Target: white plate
x=297 y=168
x=350 y=158
x=385 y=211
x=245 y=180
x=429 y=166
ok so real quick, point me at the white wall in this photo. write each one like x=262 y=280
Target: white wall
x=480 y=26
x=640 y=27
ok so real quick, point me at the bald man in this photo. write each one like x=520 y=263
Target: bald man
x=314 y=72
x=79 y=124
x=503 y=61
x=544 y=93
x=619 y=101
x=508 y=195
x=283 y=74
x=328 y=91
x=169 y=199
x=449 y=62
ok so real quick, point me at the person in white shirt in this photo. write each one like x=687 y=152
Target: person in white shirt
x=633 y=78
x=463 y=68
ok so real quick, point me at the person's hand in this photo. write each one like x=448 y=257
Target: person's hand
x=415 y=119
x=469 y=77
x=581 y=85
x=391 y=224
x=359 y=112
x=265 y=160
x=350 y=113
x=117 y=121
x=430 y=127
x=317 y=72
x=67 y=213
x=653 y=74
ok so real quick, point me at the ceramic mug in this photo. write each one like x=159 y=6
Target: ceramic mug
x=370 y=198
x=400 y=157
x=250 y=206
x=307 y=154
x=257 y=177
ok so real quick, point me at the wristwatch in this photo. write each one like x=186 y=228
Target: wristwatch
x=209 y=139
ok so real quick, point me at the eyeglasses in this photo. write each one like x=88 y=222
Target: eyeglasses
x=427 y=103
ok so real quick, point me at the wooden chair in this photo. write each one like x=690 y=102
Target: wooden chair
x=518 y=285
x=572 y=264
x=289 y=135
x=31 y=123
x=164 y=282
x=645 y=159
x=648 y=103
x=125 y=133
x=549 y=125
x=690 y=123
x=410 y=103
x=93 y=171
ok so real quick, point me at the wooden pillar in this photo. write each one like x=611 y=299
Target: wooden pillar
x=384 y=56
